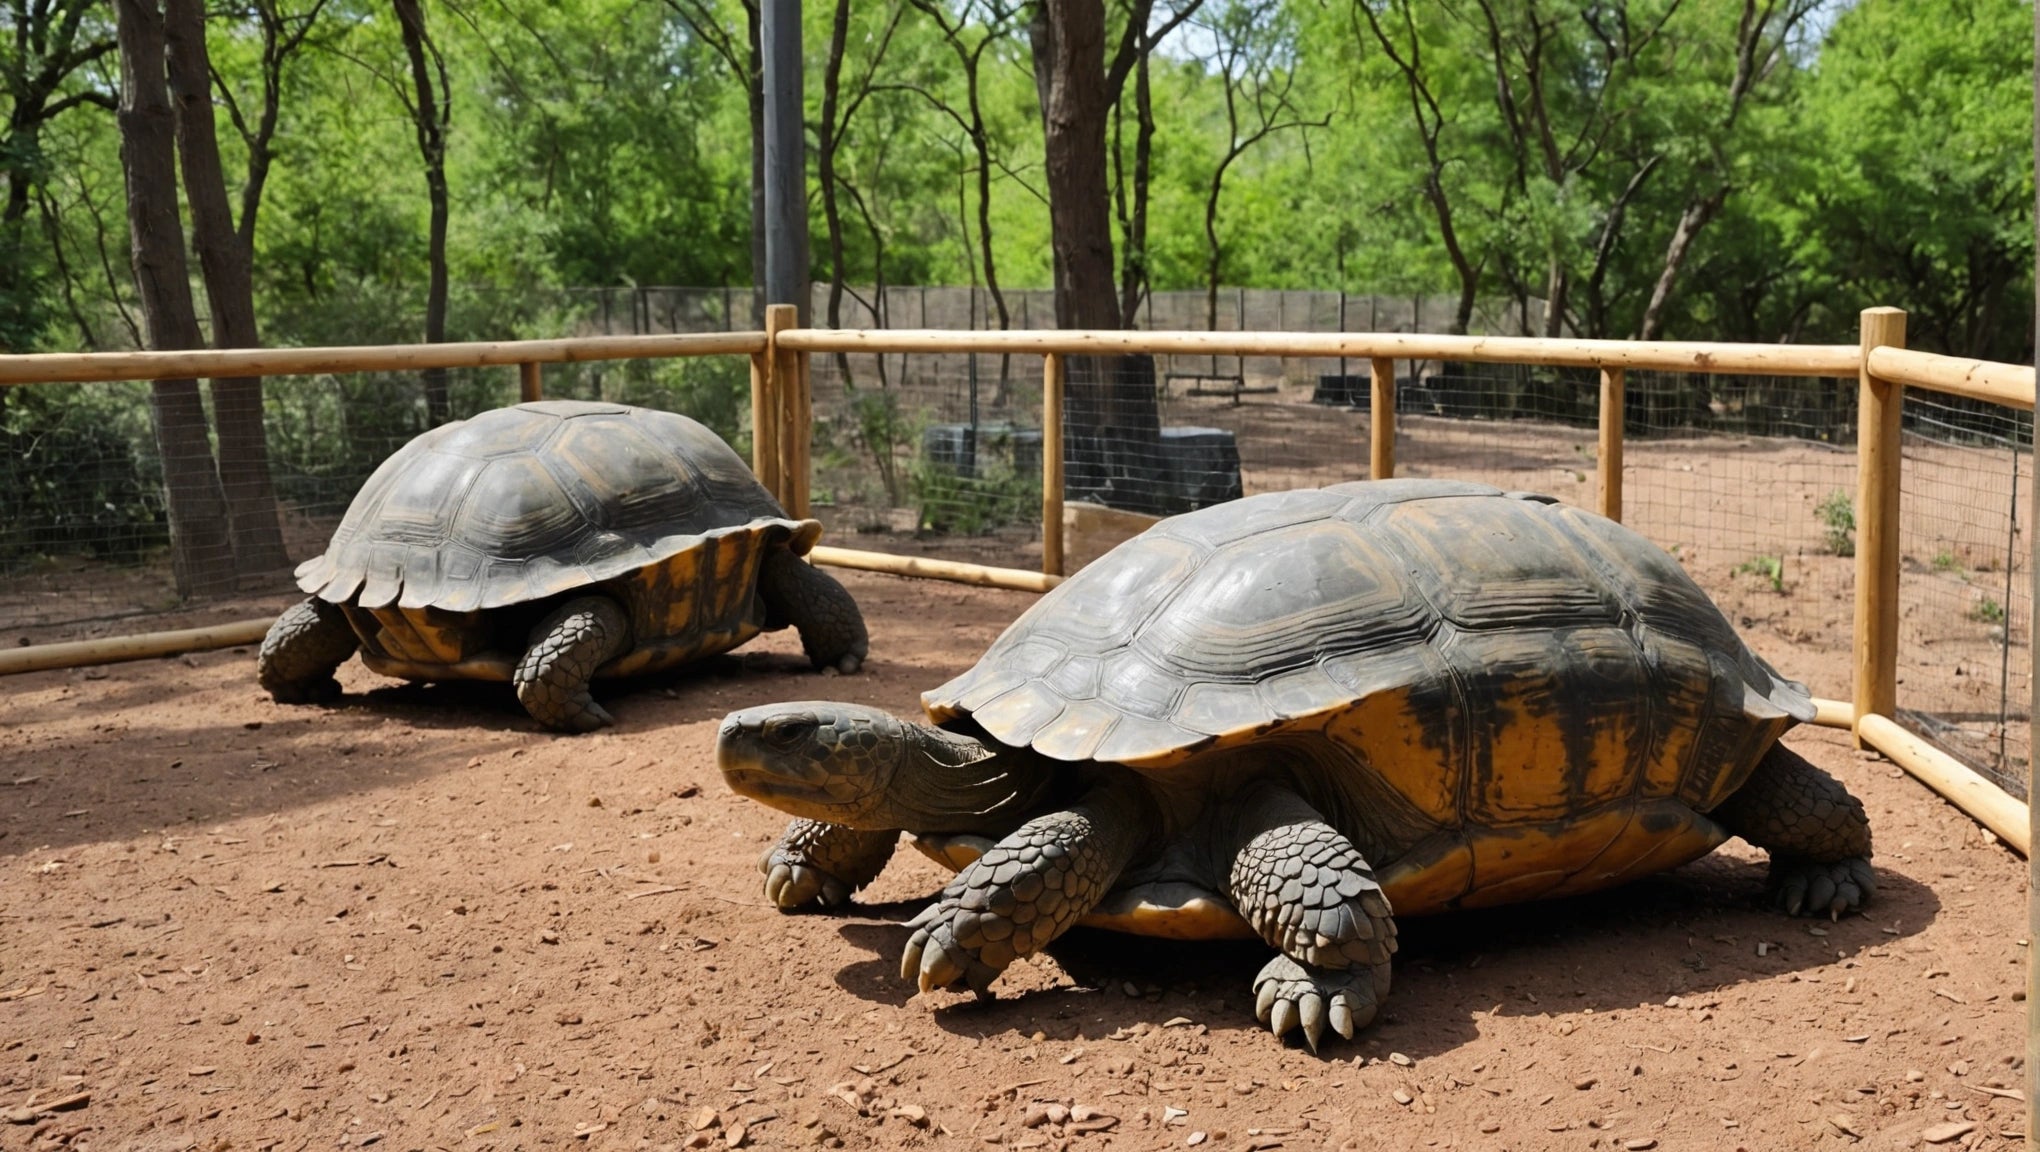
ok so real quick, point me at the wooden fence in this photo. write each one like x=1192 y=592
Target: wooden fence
x=782 y=426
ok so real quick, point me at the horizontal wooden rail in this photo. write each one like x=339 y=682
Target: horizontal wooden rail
x=2008 y=384
x=1671 y=356
x=142 y=646
x=1990 y=805
x=1834 y=713
x=92 y=367
x=1016 y=579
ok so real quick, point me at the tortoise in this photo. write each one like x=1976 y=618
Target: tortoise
x=1286 y=716
x=551 y=543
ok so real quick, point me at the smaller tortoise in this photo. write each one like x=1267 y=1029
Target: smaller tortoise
x=1283 y=716
x=549 y=544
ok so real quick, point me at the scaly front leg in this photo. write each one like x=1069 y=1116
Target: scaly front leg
x=819 y=863
x=1306 y=889
x=1032 y=886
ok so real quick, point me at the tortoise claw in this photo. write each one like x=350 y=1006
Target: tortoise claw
x=933 y=959
x=793 y=885
x=1288 y=994
x=1801 y=887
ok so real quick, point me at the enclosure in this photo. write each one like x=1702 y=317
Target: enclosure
x=411 y=918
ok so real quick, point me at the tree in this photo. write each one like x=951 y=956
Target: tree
x=1112 y=420
x=1920 y=111
x=747 y=66
x=1401 y=40
x=223 y=258
x=836 y=114
x=202 y=554
x=991 y=23
x=1765 y=32
x=430 y=103
x=1252 y=55
x=52 y=41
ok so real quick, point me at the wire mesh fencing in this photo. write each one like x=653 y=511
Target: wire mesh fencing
x=1965 y=584
x=92 y=542
x=1749 y=481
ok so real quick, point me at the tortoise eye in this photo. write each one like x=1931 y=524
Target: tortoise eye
x=788 y=732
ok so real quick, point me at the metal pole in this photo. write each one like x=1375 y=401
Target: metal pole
x=785 y=156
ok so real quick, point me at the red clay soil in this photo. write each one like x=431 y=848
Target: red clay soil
x=415 y=921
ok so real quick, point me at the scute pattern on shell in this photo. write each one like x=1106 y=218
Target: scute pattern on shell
x=517 y=504
x=1490 y=629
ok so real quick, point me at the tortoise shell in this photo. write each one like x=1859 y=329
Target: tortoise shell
x=459 y=535
x=1517 y=698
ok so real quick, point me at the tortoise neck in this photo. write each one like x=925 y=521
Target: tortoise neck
x=950 y=782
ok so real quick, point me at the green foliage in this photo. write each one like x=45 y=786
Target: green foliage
x=884 y=430
x=607 y=143
x=1768 y=568
x=68 y=467
x=715 y=390
x=1946 y=561
x=1987 y=611
x=972 y=505
x=1837 y=514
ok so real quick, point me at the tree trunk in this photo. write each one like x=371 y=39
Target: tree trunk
x=430 y=113
x=1133 y=275
x=754 y=97
x=1111 y=418
x=237 y=404
x=827 y=140
x=1696 y=216
x=201 y=551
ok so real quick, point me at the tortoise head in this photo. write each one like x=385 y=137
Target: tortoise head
x=863 y=768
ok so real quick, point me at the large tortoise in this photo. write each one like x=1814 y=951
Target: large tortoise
x=551 y=543
x=1283 y=716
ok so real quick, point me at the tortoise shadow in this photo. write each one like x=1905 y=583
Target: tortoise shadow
x=1688 y=933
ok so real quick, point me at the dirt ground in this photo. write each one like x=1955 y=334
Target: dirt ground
x=415 y=921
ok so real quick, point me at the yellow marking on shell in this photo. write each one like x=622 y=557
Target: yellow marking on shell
x=679 y=579
x=487 y=666
x=1680 y=708
x=1429 y=877
x=1390 y=733
x=1511 y=865
x=1196 y=918
x=426 y=635
x=1660 y=834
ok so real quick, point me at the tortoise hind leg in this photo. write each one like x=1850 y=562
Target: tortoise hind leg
x=831 y=628
x=818 y=863
x=1816 y=832
x=307 y=642
x=1028 y=889
x=566 y=648
x=1307 y=891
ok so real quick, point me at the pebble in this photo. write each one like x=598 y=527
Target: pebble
x=1401 y=1097
x=1399 y=1058
x=1195 y=1139
x=1943 y=1133
x=1585 y=1082
x=1639 y=1144
x=1914 y=1075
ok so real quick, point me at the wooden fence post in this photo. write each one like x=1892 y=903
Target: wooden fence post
x=1052 y=464
x=1879 y=408
x=765 y=401
x=530 y=382
x=1381 y=418
x=1609 y=460
x=796 y=421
